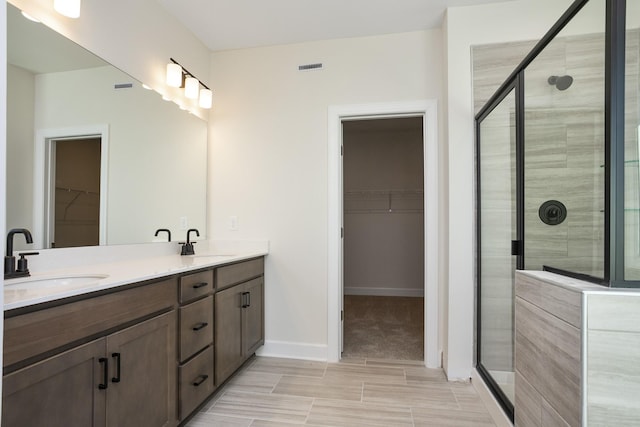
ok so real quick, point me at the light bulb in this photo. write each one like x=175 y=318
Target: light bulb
x=174 y=75
x=191 y=85
x=206 y=98
x=68 y=8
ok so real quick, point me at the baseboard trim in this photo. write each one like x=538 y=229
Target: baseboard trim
x=492 y=405
x=384 y=292
x=293 y=350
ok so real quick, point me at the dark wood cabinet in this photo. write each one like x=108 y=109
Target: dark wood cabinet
x=147 y=354
x=253 y=316
x=59 y=391
x=195 y=340
x=142 y=380
x=103 y=383
x=239 y=323
x=228 y=335
x=124 y=376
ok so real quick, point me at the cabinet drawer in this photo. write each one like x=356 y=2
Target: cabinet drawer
x=240 y=272
x=196 y=327
x=196 y=381
x=195 y=285
x=36 y=333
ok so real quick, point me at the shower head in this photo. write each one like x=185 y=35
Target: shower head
x=560 y=82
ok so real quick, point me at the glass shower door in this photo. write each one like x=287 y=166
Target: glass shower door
x=497 y=228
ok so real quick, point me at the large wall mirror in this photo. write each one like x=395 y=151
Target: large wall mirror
x=92 y=156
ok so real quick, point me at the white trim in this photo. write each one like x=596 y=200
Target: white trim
x=427 y=109
x=490 y=402
x=384 y=292
x=41 y=190
x=293 y=350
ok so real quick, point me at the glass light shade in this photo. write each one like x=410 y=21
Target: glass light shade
x=174 y=75
x=206 y=98
x=68 y=8
x=191 y=86
x=29 y=17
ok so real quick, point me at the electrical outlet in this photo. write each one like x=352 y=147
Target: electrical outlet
x=233 y=223
x=184 y=224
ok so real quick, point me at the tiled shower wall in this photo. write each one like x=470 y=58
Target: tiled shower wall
x=564 y=157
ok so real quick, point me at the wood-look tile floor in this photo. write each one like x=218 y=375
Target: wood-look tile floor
x=355 y=392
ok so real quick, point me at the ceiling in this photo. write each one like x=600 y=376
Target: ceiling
x=235 y=24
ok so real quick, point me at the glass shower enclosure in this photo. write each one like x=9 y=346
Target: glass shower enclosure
x=558 y=172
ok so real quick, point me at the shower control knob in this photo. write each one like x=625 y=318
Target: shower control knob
x=552 y=212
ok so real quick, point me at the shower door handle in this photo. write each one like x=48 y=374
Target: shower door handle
x=516 y=247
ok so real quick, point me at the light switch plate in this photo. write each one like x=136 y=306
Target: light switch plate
x=233 y=223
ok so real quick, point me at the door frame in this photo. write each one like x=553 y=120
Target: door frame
x=427 y=109
x=42 y=188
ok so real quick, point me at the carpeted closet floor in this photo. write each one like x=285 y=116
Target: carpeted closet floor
x=383 y=327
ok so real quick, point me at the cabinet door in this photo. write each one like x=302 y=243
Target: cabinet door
x=142 y=384
x=253 y=316
x=228 y=338
x=59 y=391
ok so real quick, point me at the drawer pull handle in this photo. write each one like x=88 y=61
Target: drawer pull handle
x=116 y=356
x=245 y=300
x=105 y=373
x=200 y=285
x=200 y=380
x=200 y=326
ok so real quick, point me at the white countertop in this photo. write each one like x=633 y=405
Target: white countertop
x=118 y=273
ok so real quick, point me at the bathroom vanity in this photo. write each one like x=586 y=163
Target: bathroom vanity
x=147 y=350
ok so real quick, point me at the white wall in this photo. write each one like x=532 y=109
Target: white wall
x=464 y=27
x=20 y=134
x=268 y=163
x=3 y=145
x=138 y=37
x=383 y=210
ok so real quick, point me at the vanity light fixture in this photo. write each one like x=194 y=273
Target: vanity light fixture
x=178 y=76
x=191 y=86
x=68 y=8
x=174 y=74
x=206 y=98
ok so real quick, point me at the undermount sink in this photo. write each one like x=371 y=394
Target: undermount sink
x=212 y=255
x=55 y=281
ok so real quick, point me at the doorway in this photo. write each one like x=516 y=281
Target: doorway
x=45 y=180
x=383 y=217
x=427 y=110
x=74 y=179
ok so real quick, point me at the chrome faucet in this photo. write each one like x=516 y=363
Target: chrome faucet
x=187 y=248
x=10 y=270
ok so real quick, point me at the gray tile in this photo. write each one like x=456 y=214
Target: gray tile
x=431 y=396
x=268 y=407
x=381 y=374
x=203 y=419
x=289 y=366
x=357 y=414
x=328 y=388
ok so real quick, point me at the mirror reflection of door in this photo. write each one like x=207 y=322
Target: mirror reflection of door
x=75 y=205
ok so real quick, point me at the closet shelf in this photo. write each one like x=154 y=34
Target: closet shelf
x=383 y=201
x=75 y=190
